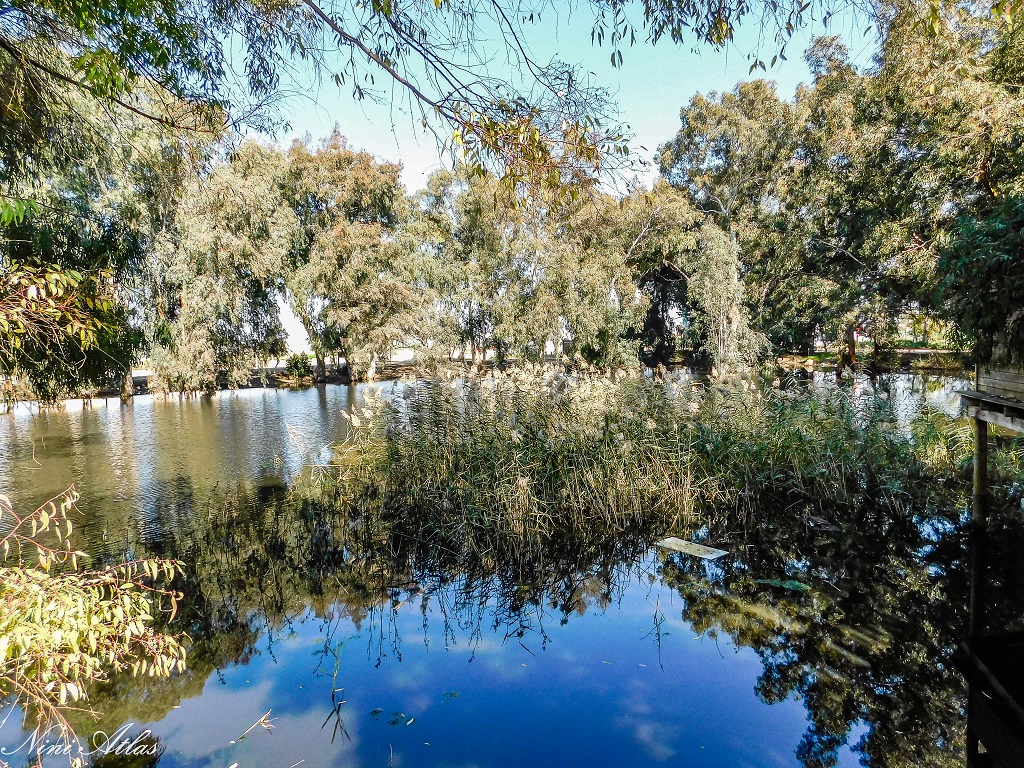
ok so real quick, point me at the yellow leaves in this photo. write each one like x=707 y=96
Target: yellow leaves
x=43 y=308
x=534 y=152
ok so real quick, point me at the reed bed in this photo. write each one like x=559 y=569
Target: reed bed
x=543 y=452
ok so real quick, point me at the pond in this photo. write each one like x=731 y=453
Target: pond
x=330 y=644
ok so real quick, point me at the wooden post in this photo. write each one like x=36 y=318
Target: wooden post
x=973 y=751
x=978 y=529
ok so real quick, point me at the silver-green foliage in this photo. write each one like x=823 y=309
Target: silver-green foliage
x=214 y=270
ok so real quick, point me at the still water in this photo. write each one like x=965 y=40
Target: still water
x=129 y=461
x=330 y=647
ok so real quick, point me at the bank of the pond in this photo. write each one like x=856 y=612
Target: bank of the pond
x=927 y=362
x=131 y=457
x=922 y=360
x=139 y=382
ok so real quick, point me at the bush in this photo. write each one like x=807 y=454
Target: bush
x=299 y=366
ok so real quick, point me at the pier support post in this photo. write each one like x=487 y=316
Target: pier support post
x=979 y=528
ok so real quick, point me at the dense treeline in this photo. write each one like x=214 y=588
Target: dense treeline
x=877 y=197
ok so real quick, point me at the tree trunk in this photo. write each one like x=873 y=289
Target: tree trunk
x=848 y=359
x=128 y=388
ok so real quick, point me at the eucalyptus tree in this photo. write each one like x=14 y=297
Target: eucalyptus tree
x=655 y=233
x=79 y=244
x=342 y=277
x=476 y=225
x=731 y=150
x=688 y=267
x=591 y=282
x=735 y=155
x=840 y=200
x=831 y=190
x=868 y=198
x=911 y=174
x=971 y=76
x=214 y=269
x=520 y=279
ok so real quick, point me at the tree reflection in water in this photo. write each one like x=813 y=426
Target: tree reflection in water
x=857 y=615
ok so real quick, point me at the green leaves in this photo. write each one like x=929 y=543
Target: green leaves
x=14 y=210
x=62 y=268
x=61 y=632
x=103 y=74
x=222 y=253
x=351 y=271
x=983 y=266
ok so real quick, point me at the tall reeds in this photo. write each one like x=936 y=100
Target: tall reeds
x=542 y=452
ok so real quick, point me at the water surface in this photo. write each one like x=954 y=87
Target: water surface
x=803 y=646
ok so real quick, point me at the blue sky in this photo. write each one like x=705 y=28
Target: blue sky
x=650 y=88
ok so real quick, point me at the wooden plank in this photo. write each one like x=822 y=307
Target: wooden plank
x=1005 y=381
x=1014 y=423
x=1003 y=370
x=689 y=548
x=1009 y=378
x=1013 y=369
x=1000 y=384
x=985 y=385
x=1005 y=394
x=975 y=397
x=1010 y=394
x=997 y=381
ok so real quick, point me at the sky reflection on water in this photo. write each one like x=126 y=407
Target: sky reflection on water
x=597 y=690
x=624 y=680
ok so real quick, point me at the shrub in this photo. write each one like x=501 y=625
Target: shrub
x=299 y=366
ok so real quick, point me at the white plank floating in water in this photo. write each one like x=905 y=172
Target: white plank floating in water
x=689 y=548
